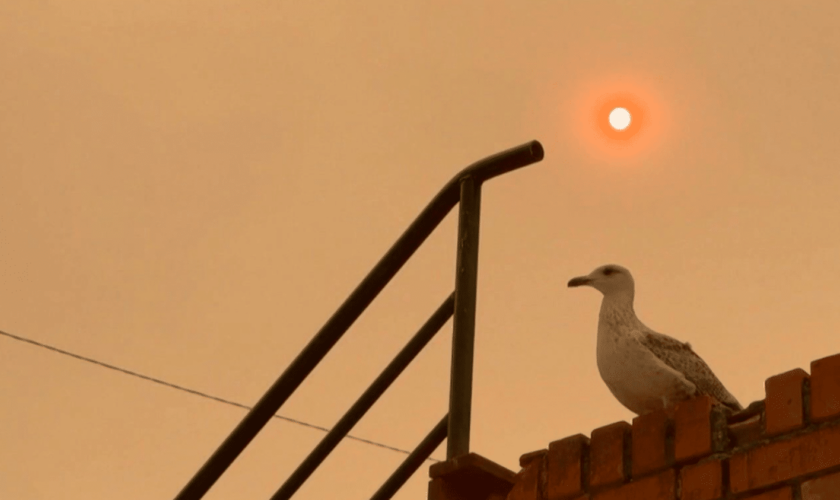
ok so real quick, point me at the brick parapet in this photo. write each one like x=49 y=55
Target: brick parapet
x=786 y=447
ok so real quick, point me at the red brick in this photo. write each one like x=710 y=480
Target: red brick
x=693 y=428
x=785 y=493
x=437 y=489
x=606 y=454
x=822 y=488
x=527 y=458
x=747 y=432
x=469 y=476
x=785 y=460
x=566 y=464
x=702 y=481
x=738 y=473
x=649 y=453
x=783 y=405
x=527 y=486
x=825 y=388
x=659 y=487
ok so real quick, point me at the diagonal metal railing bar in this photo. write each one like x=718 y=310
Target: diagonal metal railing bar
x=367 y=399
x=413 y=461
x=351 y=309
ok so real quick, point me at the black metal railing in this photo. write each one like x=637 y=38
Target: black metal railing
x=466 y=188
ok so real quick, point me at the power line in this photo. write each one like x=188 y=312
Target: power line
x=193 y=391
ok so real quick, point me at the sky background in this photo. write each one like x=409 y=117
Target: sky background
x=190 y=189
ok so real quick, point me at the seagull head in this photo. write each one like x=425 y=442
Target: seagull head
x=610 y=279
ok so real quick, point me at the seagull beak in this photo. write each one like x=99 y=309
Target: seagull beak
x=580 y=281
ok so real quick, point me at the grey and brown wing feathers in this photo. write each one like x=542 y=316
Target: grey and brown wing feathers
x=681 y=357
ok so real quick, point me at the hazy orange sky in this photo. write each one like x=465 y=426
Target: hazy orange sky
x=190 y=189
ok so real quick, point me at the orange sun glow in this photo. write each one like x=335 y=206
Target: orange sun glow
x=638 y=118
x=608 y=106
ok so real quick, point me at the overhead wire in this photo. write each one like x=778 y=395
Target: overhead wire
x=195 y=392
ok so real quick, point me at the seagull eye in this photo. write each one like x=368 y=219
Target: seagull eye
x=608 y=271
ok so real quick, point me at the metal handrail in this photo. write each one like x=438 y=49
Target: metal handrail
x=464 y=187
x=366 y=400
x=413 y=461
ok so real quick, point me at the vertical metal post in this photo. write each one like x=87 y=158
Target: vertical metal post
x=463 y=335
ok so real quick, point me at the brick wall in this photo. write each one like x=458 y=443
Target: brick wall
x=786 y=447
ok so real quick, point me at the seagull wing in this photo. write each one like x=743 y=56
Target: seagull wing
x=679 y=356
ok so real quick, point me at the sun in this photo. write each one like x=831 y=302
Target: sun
x=620 y=118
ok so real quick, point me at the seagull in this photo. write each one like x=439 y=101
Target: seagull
x=645 y=370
